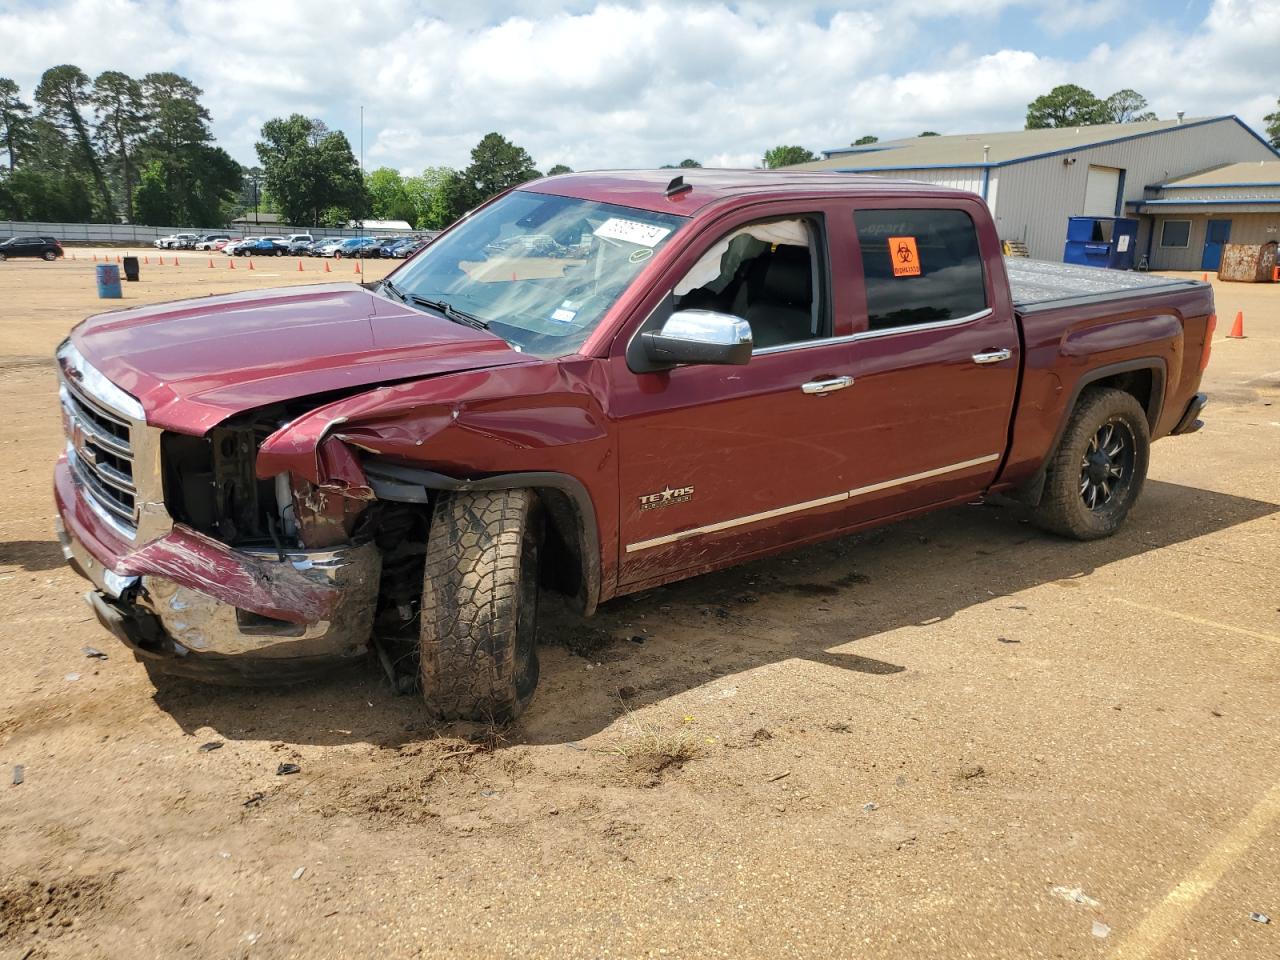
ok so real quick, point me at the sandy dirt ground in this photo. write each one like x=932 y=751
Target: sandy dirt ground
x=955 y=737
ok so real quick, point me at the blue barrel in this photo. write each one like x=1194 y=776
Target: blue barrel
x=109 y=282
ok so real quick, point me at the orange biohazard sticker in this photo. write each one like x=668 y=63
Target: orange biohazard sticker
x=905 y=256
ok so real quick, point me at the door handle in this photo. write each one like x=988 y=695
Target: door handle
x=992 y=356
x=830 y=385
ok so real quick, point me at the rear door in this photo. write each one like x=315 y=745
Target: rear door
x=935 y=358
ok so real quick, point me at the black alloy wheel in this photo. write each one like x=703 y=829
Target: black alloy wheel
x=1107 y=464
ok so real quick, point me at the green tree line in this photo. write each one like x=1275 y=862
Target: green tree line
x=112 y=149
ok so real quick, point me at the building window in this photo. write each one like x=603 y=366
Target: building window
x=1176 y=233
x=920 y=266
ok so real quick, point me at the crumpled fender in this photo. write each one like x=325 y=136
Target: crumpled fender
x=479 y=421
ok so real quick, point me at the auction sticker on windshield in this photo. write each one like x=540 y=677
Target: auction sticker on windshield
x=632 y=231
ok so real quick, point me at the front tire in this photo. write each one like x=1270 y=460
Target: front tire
x=49 y=256
x=1099 y=468
x=479 y=659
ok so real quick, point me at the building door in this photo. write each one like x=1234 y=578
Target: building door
x=1217 y=233
x=1102 y=192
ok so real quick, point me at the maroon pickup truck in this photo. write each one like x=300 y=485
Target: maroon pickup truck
x=592 y=385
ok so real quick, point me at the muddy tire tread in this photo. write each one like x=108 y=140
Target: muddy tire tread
x=1061 y=510
x=470 y=599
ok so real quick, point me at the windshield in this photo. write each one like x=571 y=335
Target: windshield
x=540 y=270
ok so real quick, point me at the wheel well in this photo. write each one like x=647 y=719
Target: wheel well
x=562 y=568
x=1145 y=384
x=571 y=544
x=1140 y=384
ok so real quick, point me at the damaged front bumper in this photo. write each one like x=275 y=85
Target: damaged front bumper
x=195 y=607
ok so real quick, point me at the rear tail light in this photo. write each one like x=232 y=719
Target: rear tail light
x=1208 y=340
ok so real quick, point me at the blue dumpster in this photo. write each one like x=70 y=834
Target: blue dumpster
x=109 y=282
x=1101 y=242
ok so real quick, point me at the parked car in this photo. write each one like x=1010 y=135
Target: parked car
x=298 y=238
x=379 y=247
x=209 y=241
x=46 y=248
x=327 y=248
x=262 y=247
x=409 y=248
x=176 y=240
x=353 y=247
x=300 y=244
x=222 y=244
x=406 y=250
x=743 y=362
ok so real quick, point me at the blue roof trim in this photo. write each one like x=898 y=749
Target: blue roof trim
x=1242 y=202
x=1078 y=147
x=1212 y=186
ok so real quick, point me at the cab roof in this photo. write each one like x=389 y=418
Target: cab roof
x=647 y=189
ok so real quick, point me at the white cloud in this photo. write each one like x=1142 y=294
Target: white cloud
x=614 y=83
x=1080 y=15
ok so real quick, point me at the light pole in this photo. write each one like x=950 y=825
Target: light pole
x=361 y=221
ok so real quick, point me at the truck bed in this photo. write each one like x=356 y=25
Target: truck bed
x=1042 y=285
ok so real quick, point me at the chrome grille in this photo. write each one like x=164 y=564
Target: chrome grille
x=100 y=451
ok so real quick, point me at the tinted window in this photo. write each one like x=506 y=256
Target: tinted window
x=920 y=266
x=1176 y=233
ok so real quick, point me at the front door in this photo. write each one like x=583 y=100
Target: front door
x=721 y=462
x=1217 y=233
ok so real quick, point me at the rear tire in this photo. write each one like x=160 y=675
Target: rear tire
x=1099 y=468
x=479 y=660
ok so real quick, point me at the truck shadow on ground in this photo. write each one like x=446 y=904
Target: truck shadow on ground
x=799 y=605
x=32 y=555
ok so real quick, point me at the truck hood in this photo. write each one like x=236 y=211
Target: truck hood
x=193 y=363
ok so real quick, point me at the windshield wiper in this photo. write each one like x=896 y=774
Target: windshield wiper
x=450 y=311
x=393 y=290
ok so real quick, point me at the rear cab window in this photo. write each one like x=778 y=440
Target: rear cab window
x=919 y=266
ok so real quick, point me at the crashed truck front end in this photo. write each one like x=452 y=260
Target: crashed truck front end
x=197 y=564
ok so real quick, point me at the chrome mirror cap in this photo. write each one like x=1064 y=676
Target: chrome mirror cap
x=699 y=337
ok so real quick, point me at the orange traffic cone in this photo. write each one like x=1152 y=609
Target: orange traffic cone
x=1204 y=278
x=117 y=258
x=357 y=266
x=175 y=262
x=1237 y=328
x=162 y=259
x=95 y=258
x=211 y=263
x=145 y=258
x=326 y=267
x=251 y=263
x=299 y=266
x=231 y=264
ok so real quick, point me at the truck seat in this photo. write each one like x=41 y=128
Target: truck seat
x=778 y=297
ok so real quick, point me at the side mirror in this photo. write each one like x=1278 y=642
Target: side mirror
x=699 y=337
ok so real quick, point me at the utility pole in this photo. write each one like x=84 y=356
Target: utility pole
x=361 y=228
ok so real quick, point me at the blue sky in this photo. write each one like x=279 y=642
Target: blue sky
x=617 y=83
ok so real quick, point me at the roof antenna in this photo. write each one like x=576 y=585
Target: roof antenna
x=677 y=186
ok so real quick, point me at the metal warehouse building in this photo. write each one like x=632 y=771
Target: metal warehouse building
x=1192 y=217
x=1034 y=180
